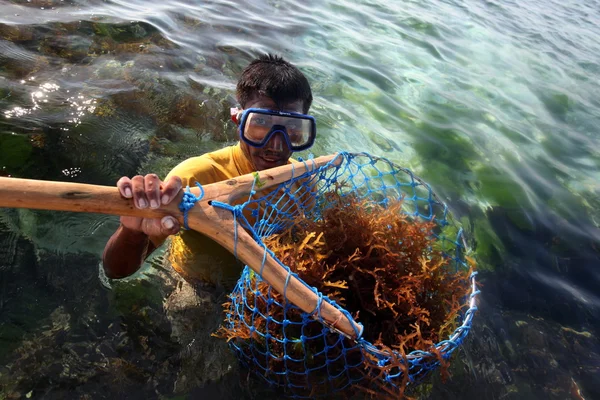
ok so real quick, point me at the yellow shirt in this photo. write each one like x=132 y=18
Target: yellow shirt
x=195 y=256
x=192 y=254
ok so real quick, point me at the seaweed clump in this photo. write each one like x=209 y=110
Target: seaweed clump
x=386 y=267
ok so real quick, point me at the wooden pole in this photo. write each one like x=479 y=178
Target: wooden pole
x=215 y=223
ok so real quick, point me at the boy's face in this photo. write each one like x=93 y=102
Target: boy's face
x=276 y=151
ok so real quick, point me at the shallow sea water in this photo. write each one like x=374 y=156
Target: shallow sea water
x=494 y=103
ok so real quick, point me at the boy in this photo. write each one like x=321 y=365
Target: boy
x=268 y=83
x=275 y=98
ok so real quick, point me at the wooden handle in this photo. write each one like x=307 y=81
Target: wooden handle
x=229 y=190
x=81 y=197
x=77 y=197
x=216 y=223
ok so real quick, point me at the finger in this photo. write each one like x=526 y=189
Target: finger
x=139 y=193
x=169 y=225
x=124 y=185
x=152 y=187
x=160 y=227
x=170 y=189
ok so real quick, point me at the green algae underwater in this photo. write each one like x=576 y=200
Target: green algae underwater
x=491 y=103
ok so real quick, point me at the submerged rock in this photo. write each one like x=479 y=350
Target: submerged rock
x=512 y=355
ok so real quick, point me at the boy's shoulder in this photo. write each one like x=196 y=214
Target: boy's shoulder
x=206 y=168
x=207 y=159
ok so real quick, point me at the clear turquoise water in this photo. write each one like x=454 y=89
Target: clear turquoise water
x=495 y=104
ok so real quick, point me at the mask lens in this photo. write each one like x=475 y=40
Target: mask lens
x=298 y=130
x=258 y=127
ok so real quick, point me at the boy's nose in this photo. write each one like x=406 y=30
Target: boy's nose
x=277 y=142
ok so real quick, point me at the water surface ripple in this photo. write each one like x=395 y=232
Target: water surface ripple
x=494 y=103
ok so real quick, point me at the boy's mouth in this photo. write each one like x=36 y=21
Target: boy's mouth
x=268 y=161
x=271 y=159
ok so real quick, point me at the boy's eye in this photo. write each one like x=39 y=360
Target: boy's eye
x=260 y=120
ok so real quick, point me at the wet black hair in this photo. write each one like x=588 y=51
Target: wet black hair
x=276 y=78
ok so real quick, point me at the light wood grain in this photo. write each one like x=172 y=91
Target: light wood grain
x=213 y=222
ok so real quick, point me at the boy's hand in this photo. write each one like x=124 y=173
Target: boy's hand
x=150 y=191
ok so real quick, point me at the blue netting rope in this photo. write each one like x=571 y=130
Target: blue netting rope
x=300 y=352
x=188 y=201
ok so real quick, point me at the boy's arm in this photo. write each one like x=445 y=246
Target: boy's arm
x=137 y=238
x=126 y=250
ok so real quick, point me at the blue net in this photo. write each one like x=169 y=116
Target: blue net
x=298 y=351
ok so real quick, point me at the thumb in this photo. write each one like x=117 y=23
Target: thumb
x=161 y=227
x=169 y=225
